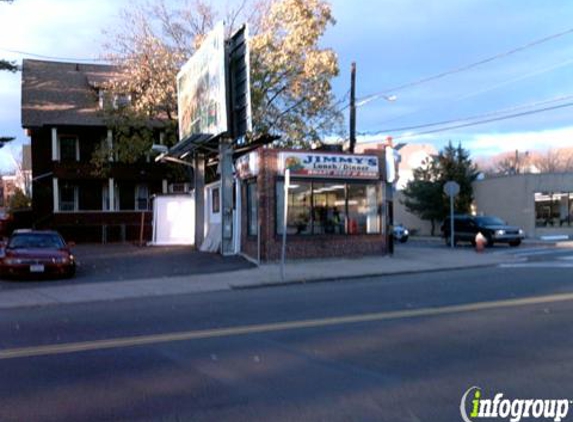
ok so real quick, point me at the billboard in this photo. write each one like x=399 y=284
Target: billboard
x=314 y=164
x=239 y=71
x=201 y=89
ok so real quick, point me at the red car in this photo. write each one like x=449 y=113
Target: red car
x=35 y=253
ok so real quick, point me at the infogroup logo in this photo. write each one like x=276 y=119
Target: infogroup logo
x=513 y=410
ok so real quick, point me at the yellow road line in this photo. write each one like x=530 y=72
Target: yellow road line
x=56 y=349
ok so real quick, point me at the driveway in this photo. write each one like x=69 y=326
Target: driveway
x=122 y=262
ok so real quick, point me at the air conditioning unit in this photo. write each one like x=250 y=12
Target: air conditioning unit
x=179 y=187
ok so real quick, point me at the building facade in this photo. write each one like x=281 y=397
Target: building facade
x=411 y=156
x=335 y=204
x=62 y=112
x=541 y=204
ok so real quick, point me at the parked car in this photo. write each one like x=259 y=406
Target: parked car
x=400 y=233
x=494 y=229
x=34 y=253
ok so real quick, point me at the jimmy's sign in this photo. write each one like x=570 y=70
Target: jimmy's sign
x=315 y=164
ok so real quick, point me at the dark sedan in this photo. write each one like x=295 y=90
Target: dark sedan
x=37 y=253
x=495 y=230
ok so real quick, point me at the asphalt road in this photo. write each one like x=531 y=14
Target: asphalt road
x=402 y=348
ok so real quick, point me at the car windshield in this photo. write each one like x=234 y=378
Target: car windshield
x=490 y=221
x=36 y=241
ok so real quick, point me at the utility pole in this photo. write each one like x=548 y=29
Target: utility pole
x=352 y=107
x=516 y=161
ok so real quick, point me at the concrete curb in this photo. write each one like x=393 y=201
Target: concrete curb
x=416 y=261
x=357 y=277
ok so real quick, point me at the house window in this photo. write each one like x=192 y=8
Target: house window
x=105 y=198
x=68 y=198
x=69 y=149
x=101 y=98
x=121 y=101
x=141 y=198
x=252 y=209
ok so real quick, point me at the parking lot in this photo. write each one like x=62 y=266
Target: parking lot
x=122 y=262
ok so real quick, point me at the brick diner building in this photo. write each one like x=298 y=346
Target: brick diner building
x=335 y=204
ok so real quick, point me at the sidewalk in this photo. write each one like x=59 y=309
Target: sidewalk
x=404 y=261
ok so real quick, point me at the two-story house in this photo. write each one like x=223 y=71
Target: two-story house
x=62 y=112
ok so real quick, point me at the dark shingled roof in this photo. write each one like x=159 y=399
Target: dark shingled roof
x=56 y=93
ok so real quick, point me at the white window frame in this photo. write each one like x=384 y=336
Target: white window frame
x=76 y=199
x=121 y=101
x=138 y=197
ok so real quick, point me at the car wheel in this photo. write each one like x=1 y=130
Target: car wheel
x=403 y=239
x=449 y=241
x=515 y=243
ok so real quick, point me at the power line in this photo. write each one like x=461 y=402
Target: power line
x=42 y=56
x=488 y=89
x=470 y=66
x=480 y=122
x=473 y=117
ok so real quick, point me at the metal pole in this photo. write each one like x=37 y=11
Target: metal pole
x=285 y=215
x=451 y=221
x=352 y=107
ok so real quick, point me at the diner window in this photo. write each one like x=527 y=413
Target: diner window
x=553 y=209
x=252 y=209
x=68 y=198
x=299 y=210
x=363 y=215
x=69 y=149
x=141 y=198
x=329 y=205
x=329 y=208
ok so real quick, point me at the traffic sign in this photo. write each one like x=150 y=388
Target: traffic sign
x=451 y=188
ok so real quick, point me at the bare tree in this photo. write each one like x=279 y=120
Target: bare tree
x=553 y=161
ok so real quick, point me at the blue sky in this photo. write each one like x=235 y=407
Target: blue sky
x=393 y=42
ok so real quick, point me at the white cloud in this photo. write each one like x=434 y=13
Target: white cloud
x=494 y=143
x=60 y=28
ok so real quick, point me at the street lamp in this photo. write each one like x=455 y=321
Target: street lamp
x=366 y=100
